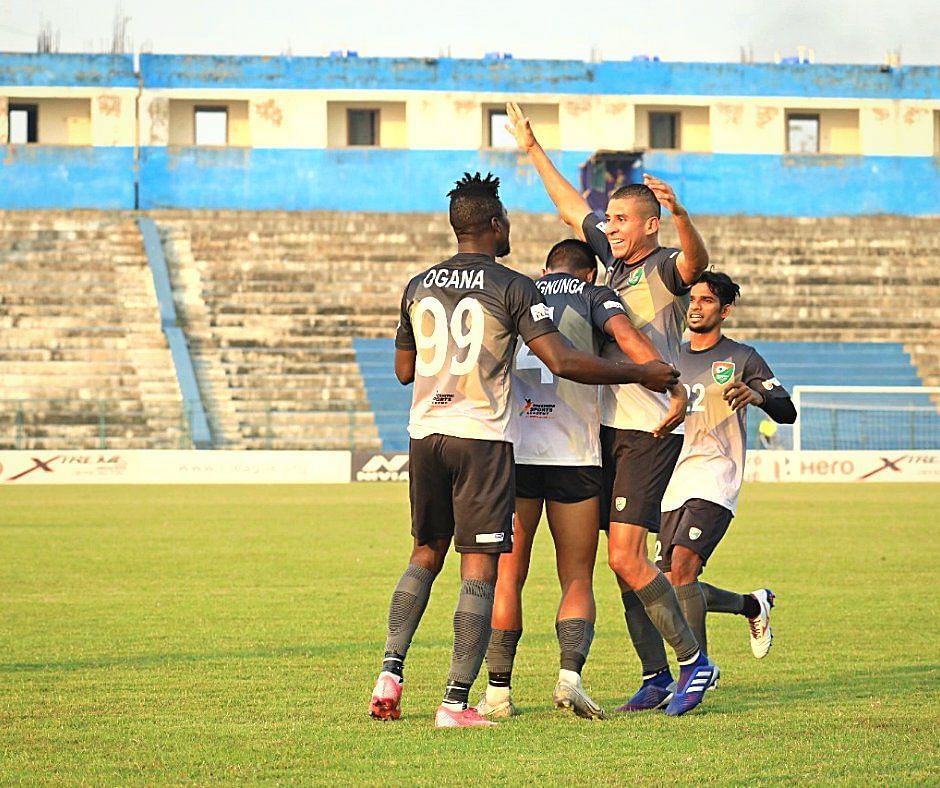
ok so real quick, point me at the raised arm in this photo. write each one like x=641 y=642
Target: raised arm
x=572 y=207
x=693 y=260
x=566 y=362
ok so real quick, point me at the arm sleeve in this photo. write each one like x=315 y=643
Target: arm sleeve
x=605 y=303
x=527 y=309
x=777 y=403
x=405 y=335
x=669 y=272
x=592 y=227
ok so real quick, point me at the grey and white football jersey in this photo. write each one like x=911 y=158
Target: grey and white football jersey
x=462 y=317
x=559 y=420
x=711 y=464
x=656 y=300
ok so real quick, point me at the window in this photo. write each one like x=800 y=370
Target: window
x=802 y=133
x=23 y=124
x=362 y=127
x=664 y=130
x=498 y=136
x=211 y=125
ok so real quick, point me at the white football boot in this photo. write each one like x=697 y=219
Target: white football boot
x=762 y=636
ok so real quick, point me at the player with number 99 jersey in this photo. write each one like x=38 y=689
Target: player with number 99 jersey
x=462 y=317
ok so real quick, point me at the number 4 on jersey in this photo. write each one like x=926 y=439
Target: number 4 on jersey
x=526 y=359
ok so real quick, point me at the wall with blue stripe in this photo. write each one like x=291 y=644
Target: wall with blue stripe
x=541 y=76
x=19 y=69
x=415 y=180
x=35 y=177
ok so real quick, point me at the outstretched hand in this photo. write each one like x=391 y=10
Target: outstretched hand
x=663 y=193
x=519 y=127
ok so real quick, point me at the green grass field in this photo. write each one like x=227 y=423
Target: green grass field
x=181 y=634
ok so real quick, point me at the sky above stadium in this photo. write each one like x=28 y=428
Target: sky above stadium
x=838 y=31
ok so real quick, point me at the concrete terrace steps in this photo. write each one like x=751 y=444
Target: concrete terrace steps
x=82 y=333
x=257 y=362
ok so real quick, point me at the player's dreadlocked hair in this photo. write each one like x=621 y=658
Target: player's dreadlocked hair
x=474 y=200
x=643 y=194
x=721 y=285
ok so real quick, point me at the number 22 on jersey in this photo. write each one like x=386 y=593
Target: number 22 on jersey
x=465 y=327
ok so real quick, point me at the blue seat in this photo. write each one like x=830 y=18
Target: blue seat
x=794 y=363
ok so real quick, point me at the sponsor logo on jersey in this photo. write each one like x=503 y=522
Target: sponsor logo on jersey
x=620 y=503
x=769 y=384
x=722 y=371
x=440 y=400
x=602 y=226
x=635 y=277
x=537 y=410
x=462 y=280
x=541 y=312
x=614 y=305
x=694 y=533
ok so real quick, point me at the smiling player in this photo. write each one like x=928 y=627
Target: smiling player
x=723 y=378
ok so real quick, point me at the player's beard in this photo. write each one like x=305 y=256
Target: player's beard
x=503 y=251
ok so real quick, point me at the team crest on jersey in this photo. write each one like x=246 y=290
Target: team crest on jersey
x=722 y=371
x=695 y=533
x=620 y=503
x=635 y=277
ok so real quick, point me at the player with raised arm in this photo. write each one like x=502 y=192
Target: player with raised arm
x=723 y=377
x=557 y=455
x=456 y=338
x=654 y=283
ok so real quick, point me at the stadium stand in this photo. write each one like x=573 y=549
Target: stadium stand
x=817 y=293
x=270 y=323
x=290 y=316
x=83 y=361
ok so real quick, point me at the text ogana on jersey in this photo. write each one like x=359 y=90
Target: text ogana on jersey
x=462 y=280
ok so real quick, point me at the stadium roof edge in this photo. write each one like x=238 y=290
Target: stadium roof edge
x=540 y=76
x=480 y=75
x=27 y=69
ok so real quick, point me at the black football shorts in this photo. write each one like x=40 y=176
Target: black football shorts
x=559 y=483
x=465 y=489
x=637 y=469
x=697 y=525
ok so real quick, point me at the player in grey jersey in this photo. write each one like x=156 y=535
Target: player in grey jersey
x=653 y=283
x=456 y=338
x=557 y=455
x=723 y=377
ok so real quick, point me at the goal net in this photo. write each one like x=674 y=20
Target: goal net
x=862 y=418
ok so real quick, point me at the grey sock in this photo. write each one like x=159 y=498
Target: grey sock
x=471 y=630
x=721 y=601
x=409 y=600
x=574 y=639
x=692 y=603
x=501 y=652
x=646 y=638
x=661 y=605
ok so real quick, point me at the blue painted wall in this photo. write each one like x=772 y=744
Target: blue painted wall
x=540 y=76
x=403 y=180
x=58 y=70
x=48 y=176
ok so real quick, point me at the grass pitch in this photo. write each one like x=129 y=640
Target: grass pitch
x=181 y=634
